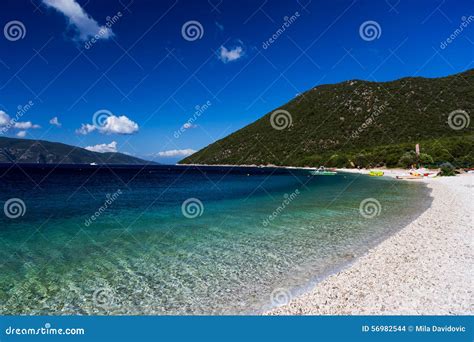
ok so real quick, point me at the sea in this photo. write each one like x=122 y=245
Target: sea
x=184 y=240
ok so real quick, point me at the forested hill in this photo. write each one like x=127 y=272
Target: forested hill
x=358 y=123
x=39 y=151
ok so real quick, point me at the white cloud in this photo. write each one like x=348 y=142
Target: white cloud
x=112 y=147
x=234 y=54
x=83 y=23
x=176 y=153
x=55 y=121
x=25 y=125
x=188 y=125
x=6 y=123
x=86 y=129
x=112 y=125
x=119 y=125
x=4 y=118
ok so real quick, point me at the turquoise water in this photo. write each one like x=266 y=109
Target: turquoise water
x=142 y=254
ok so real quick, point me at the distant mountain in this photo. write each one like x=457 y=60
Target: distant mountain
x=358 y=122
x=40 y=151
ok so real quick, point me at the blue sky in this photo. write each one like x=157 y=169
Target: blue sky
x=172 y=76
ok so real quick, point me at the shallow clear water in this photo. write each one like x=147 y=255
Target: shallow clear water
x=142 y=255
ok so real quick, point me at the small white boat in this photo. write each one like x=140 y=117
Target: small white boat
x=322 y=171
x=93 y=164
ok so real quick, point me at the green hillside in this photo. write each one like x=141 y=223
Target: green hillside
x=40 y=151
x=359 y=123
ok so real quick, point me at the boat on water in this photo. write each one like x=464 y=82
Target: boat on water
x=322 y=171
x=409 y=177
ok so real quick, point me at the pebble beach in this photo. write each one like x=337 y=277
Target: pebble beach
x=424 y=269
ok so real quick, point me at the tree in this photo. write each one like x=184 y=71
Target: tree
x=361 y=160
x=441 y=154
x=447 y=169
x=425 y=159
x=408 y=159
x=338 y=160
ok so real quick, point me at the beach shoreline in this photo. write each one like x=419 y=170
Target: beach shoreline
x=425 y=268
x=391 y=172
x=388 y=172
x=254 y=166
